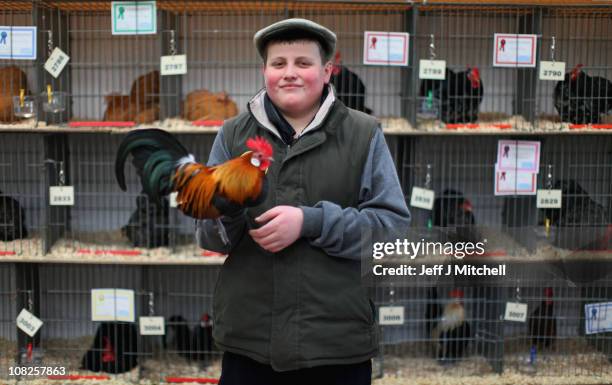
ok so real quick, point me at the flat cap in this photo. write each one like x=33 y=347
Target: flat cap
x=292 y=28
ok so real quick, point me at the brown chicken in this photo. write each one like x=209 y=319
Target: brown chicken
x=205 y=105
x=145 y=89
x=165 y=166
x=140 y=106
x=12 y=80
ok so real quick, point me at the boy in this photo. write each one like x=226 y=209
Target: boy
x=289 y=305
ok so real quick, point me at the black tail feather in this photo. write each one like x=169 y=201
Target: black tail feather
x=152 y=149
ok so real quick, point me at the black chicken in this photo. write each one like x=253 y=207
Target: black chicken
x=195 y=346
x=577 y=207
x=459 y=95
x=349 y=87
x=542 y=323
x=452 y=333
x=12 y=221
x=452 y=209
x=114 y=350
x=178 y=336
x=582 y=99
x=203 y=339
x=148 y=224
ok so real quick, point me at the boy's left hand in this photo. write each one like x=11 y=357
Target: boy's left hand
x=283 y=226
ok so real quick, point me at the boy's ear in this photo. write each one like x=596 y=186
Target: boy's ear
x=329 y=66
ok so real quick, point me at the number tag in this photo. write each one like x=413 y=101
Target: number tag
x=550 y=70
x=548 y=199
x=422 y=198
x=432 y=69
x=173 y=65
x=391 y=315
x=56 y=62
x=61 y=195
x=28 y=322
x=516 y=311
x=152 y=326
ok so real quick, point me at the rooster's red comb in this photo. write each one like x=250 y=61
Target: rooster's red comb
x=456 y=293
x=259 y=144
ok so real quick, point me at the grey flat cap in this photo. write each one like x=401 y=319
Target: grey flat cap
x=291 y=28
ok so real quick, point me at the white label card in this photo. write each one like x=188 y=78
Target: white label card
x=516 y=311
x=514 y=50
x=598 y=317
x=56 y=62
x=28 y=322
x=422 y=198
x=134 y=17
x=152 y=326
x=61 y=195
x=552 y=70
x=173 y=65
x=385 y=48
x=112 y=305
x=432 y=69
x=391 y=315
x=17 y=43
x=549 y=199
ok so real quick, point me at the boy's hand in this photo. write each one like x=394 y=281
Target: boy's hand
x=283 y=226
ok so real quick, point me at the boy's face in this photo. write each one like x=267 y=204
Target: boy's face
x=295 y=76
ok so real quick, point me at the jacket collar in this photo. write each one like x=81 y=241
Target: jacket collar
x=258 y=111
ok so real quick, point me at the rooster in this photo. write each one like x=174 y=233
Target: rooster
x=452 y=333
x=165 y=166
x=114 y=350
x=203 y=340
x=459 y=95
x=542 y=324
x=12 y=219
x=452 y=209
x=349 y=87
x=194 y=346
x=582 y=99
x=577 y=207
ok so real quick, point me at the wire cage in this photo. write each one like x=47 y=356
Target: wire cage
x=108 y=224
x=114 y=80
x=554 y=338
x=17 y=71
x=482 y=93
x=579 y=37
x=8 y=306
x=182 y=295
x=23 y=197
x=109 y=77
x=462 y=168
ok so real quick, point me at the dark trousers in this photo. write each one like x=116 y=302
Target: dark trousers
x=241 y=370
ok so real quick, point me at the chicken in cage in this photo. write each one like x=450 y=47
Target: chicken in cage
x=581 y=98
